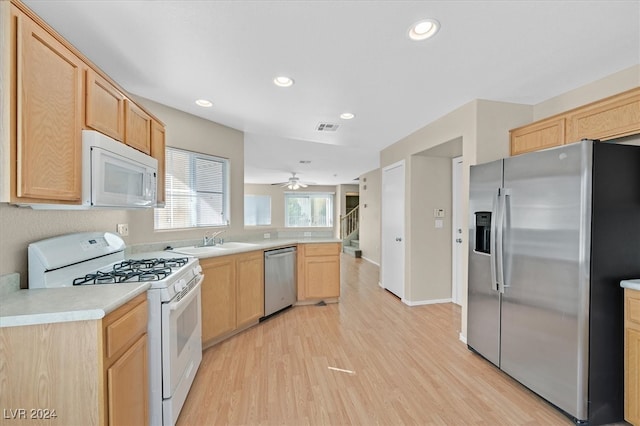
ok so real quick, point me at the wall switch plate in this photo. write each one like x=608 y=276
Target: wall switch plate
x=267 y=235
x=438 y=212
x=439 y=223
x=123 y=229
x=307 y=234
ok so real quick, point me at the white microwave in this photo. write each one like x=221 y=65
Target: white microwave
x=115 y=175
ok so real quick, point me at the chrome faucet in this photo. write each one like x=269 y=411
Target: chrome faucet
x=213 y=239
x=220 y=240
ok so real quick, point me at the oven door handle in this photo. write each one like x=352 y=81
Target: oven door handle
x=174 y=306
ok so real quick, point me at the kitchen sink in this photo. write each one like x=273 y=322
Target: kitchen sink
x=205 y=250
x=236 y=244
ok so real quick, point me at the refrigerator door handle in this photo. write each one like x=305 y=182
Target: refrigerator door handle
x=495 y=284
x=504 y=194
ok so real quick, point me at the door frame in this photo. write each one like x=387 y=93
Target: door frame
x=457 y=170
x=385 y=169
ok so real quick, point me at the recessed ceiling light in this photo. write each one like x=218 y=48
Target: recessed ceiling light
x=347 y=115
x=424 y=29
x=204 y=103
x=283 y=81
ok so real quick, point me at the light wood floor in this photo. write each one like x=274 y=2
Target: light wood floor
x=409 y=367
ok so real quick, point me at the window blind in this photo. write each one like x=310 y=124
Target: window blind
x=196 y=188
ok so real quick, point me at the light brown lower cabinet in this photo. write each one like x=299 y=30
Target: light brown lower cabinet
x=125 y=364
x=79 y=372
x=632 y=356
x=232 y=294
x=318 y=271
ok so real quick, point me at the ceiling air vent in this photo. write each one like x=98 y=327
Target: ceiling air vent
x=327 y=127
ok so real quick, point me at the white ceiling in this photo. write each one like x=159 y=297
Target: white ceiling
x=344 y=56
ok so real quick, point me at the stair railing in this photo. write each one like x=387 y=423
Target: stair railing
x=349 y=223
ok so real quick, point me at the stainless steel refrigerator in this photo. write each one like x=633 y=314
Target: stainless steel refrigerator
x=552 y=233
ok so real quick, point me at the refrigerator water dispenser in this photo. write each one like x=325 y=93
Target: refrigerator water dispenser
x=483 y=232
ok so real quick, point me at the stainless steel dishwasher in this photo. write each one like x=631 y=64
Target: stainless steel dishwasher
x=279 y=279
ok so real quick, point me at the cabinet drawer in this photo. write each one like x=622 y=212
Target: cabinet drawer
x=126 y=329
x=632 y=308
x=329 y=249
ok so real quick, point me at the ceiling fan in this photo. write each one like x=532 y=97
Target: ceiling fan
x=293 y=183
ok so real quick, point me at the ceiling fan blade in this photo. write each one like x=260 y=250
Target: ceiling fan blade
x=302 y=185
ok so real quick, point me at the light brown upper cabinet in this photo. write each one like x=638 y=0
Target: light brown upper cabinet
x=137 y=127
x=608 y=118
x=105 y=106
x=47 y=110
x=55 y=92
x=157 y=152
x=541 y=135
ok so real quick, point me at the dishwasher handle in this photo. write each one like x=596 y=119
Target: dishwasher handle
x=279 y=253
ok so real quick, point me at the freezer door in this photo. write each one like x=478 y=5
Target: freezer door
x=483 y=300
x=545 y=302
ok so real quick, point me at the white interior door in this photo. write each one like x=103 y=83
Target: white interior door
x=392 y=233
x=458 y=244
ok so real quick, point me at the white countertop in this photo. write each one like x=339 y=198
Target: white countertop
x=632 y=284
x=51 y=305
x=93 y=302
x=265 y=244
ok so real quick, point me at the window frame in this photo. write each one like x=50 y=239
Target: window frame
x=330 y=195
x=270 y=210
x=193 y=157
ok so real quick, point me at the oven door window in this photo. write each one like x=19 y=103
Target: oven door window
x=181 y=339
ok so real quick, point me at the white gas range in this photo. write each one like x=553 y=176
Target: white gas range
x=174 y=326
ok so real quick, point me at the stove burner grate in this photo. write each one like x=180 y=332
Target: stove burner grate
x=134 y=270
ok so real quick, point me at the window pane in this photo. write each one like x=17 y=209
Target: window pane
x=308 y=210
x=257 y=210
x=196 y=191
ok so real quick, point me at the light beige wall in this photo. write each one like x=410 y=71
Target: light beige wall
x=370 y=187
x=430 y=246
x=21 y=226
x=193 y=133
x=493 y=122
x=483 y=127
x=277 y=205
x=610 y=85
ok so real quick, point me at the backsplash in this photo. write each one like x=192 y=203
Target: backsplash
x=9 y=283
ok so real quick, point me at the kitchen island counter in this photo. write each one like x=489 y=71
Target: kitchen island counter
x=53 y=305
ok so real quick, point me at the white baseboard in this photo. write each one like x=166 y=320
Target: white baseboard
x=371 y=261
x=462 y=338
x=425 y=302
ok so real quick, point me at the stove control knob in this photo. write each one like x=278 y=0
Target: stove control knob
x=179 y=286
